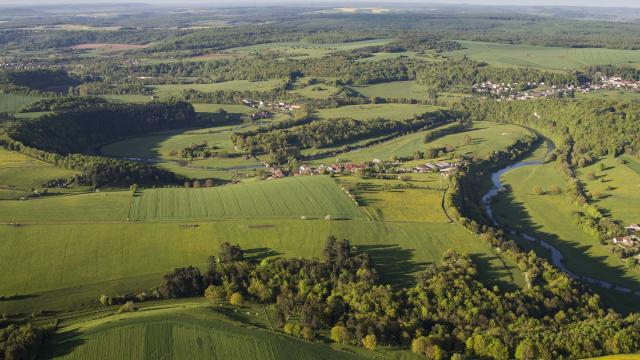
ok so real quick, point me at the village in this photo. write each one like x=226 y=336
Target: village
x=502 y=91
x=374 y=166
x=275 y=106
x=630 y=242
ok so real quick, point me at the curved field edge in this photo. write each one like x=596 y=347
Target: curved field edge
x=183 y=331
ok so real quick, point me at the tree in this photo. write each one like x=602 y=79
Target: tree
x=340 y=334
x=213 y=293
x=230 y=253
x=209 y=183
x=370 y=342
x=555 y=190
x=527 y=350
x=196 y=184
x=236 y=299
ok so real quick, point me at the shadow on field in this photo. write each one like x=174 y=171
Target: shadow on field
x=492 y=270
x=395 y=264
x=60 y=345
x=512 y=215
x=259 y=254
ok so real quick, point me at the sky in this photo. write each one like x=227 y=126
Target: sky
x=608 y=3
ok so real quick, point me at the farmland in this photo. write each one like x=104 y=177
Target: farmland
x=313 y=197
x=183 y=332
x=396 y=89
x=552 y=58
x=236 y=85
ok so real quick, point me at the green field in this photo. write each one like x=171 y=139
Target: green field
x=20 y=173
x=293 y=197
x=236 y=85
x=545 y=57
x=395 y=89
x=11 y=103
x=373 y=111
x=551 y=218
x=191 y=331
x=616 y=189
x=317 y=91
x=305 y=50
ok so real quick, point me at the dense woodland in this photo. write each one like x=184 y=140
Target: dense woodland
x=447 y=311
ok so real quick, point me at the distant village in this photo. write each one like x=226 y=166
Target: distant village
x=509 y=91
x=276 y=106
x=376 y=165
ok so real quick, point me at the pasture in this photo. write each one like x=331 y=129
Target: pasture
x=542 y=57
x=183 y=331
x=484 y=138
x=293 y=197
x=373 y=111
x=395 y=90
x=169 y=90
x=20 y=173
x=48 y=260
x=11 y=103
x=551 y=218
x=306 y=50
x=614 y=187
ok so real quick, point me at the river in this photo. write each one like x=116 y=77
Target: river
x=557 y=258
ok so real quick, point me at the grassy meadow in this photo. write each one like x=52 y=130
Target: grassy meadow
x=236 y=85
x=396 y=89
x=20 y=173
x=543 y=57
x=615 y=187
x=551 y=218
x=11 y=103
x=373 y=111
x=184 y=331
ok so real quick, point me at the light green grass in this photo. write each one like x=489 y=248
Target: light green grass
x=618 y=188
x=373 y=111
x=102 y=206
x=550 y=217
x=235 y=85
x=395 y=89
x=139 y=99
x=63 y=265
x=317 y=91
x=305 y=50
x=293 y=197
x=485 y=137
x=546 y=57
x=11 y=103
x=182 y=332
x=20 y=173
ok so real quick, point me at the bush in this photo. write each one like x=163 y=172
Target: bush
x=236 y=299
x=538 y=190
x=340 y=334
x=555 y=190
x=127 y=307
x=214 y=293
x=370 y=342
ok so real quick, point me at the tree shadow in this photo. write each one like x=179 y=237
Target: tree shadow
x=259 y=254
x=490 y=274
x=515 y=219
x=394 y=263
x=60 y=345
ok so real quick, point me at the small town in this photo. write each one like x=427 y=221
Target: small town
x=277 y=106
x=509 y=91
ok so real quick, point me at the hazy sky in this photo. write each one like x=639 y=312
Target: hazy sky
x=610 y=3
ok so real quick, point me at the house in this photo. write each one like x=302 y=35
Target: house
x=633 y=228
x=422 y=168
x=626 y=241
x=431 y=166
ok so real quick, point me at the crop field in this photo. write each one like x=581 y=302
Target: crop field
x=551 y=218
x=235 y=85
x=546 y=57
x=615 y=187
x=115 y=257
x=311 y=196
x=182 y=332
x=20 y=173
x=373 y=111
x=11 y=103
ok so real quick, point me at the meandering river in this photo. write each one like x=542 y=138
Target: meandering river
x=557 y=258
